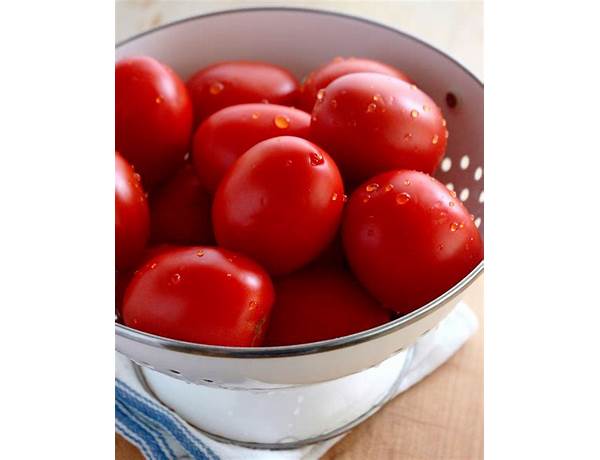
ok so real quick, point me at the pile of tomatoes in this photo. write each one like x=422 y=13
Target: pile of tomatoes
x=242 y=220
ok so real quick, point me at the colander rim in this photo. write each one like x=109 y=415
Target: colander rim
x=306 y=348
x=313 y=347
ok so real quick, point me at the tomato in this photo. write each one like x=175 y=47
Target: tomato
x=200 y=294
x=122 y=278
x=321 y=77
x=372 y=123
x=280 y=203
x=408 y=239
x=319 y=304
x=131 y=215
x=239 y=82
x=180 y=211
x=227 y=134
x=153 y=117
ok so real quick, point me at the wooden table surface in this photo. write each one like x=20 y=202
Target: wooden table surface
x=441 y=417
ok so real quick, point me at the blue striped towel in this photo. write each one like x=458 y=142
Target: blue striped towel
x=160 y=434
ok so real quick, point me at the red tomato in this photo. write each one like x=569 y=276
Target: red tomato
x=122 y=278
x=238 y=82
x=372 y=123
x=321 y=77
x=319 y=304
x=131 y=215
x=408 y=239
x=280 y=203
x=227 y=134
x=180 y=211
x=153 y=117
x=200 y=294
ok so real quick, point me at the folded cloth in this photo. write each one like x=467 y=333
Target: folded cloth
x=161 y=434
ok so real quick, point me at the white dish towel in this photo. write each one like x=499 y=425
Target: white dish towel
x=160 y=434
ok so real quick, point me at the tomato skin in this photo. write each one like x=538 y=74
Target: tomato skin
x=321 y=303
x=200 y=294
x=180 y=211
x=153 y=117
x=239 y=82
x=225 y=135
x=122 y=278
x=338 y=67
x=132 y=221
x=372 y=123
x=409 y=239
x=280 y=203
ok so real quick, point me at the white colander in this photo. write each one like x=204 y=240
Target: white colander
x=219 y=389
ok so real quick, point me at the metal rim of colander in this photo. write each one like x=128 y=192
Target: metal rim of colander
x=314 y=347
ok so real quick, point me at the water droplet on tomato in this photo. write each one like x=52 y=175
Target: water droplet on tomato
x=402 y=198
x=344 y=198
x=321 y=95
x=371 y=107
x=255 y=115
x=316 y=158
x=453 y=226
x=216 y=88
x=153 y=265
x=281 y=121
x=334 y=197
x=200 y=253
x=372 y=187
x=414 y=113
x=406 y=182
x=175 y=278
x=435 y=139
x=388 y=187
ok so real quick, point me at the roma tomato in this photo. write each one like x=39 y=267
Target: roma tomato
x=122 y=278
x=200 y=294
x=153 y=117
x=131 y=216
x=180 y=211
x=408 y=239
x=321 y=77
x=372 y=123
x=239 y=82
x=280 y=203
x=319 y=304
x=227 y=134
